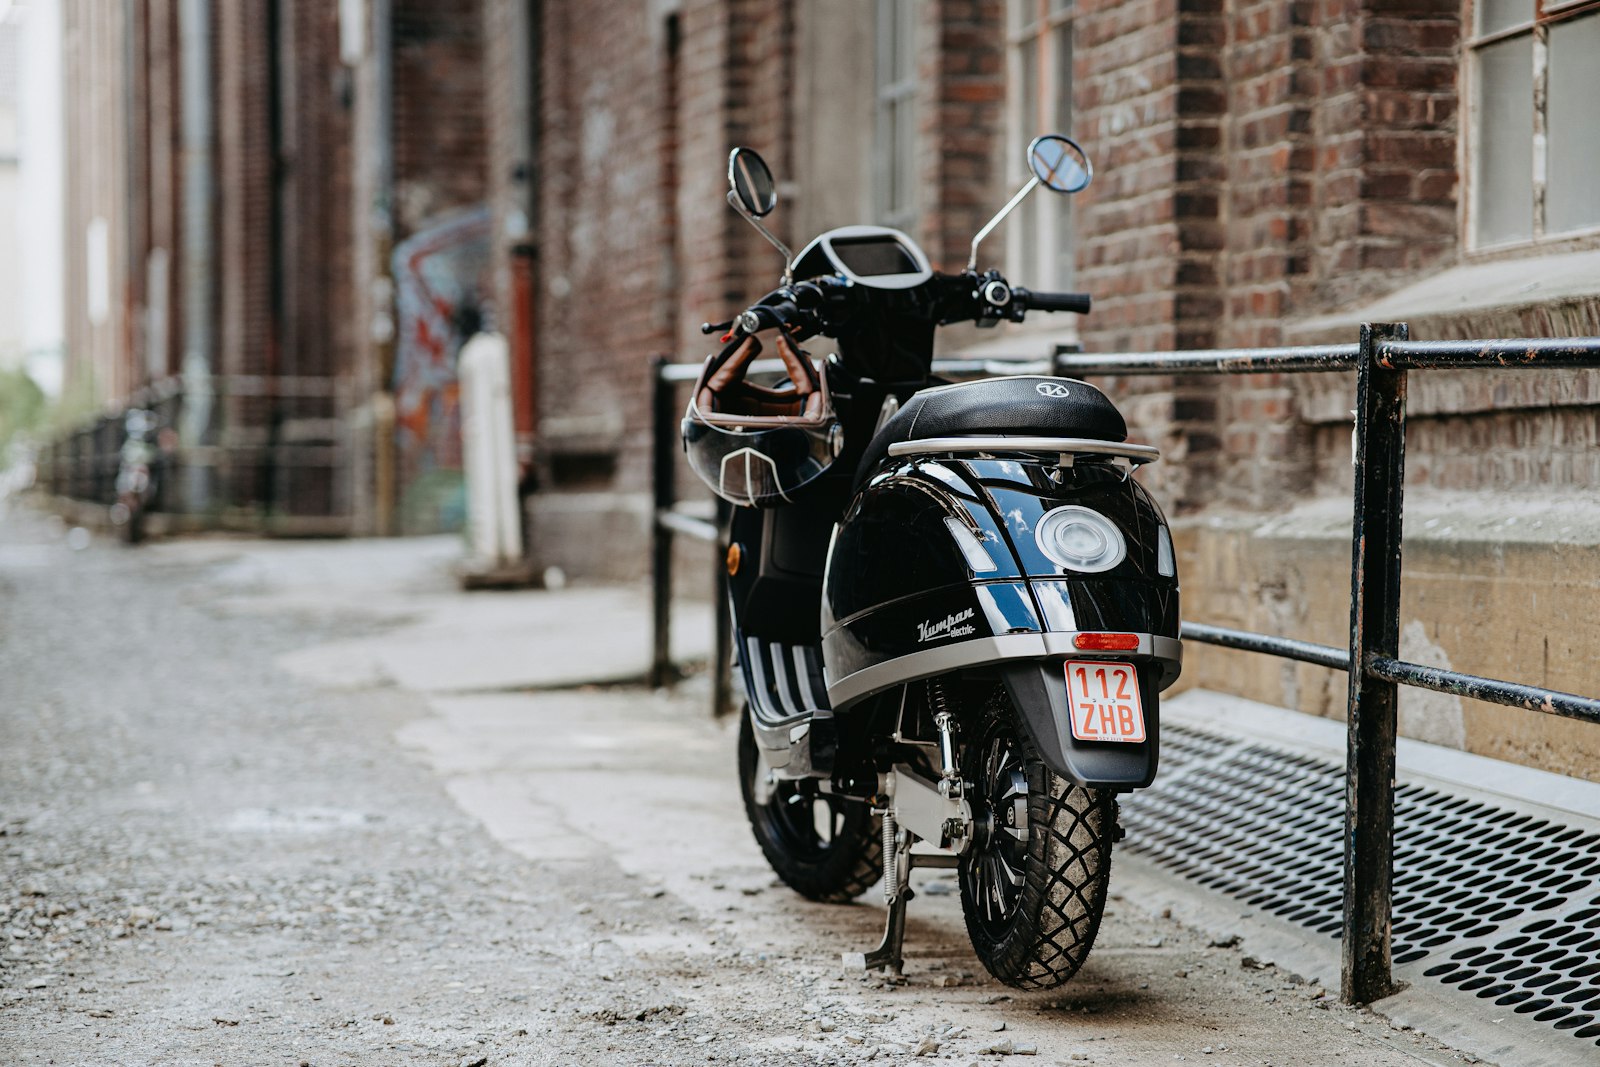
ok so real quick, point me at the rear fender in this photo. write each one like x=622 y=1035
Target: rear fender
x=1038 y=692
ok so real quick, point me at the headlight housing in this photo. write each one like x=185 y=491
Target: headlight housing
x=1080 y=539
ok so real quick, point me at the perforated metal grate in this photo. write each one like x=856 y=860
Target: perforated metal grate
x=1508 y=903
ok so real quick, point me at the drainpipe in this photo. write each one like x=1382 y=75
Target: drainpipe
x=527 y=49
x=385 y=490
x=199 y=254
x=133 y=262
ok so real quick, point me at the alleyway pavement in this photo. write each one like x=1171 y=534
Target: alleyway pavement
x=306 y=803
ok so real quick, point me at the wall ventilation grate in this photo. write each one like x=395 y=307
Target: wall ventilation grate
x=1497 y=903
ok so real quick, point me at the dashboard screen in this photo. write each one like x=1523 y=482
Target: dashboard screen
x=869 y=256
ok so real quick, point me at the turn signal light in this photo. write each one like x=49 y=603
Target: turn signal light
x=1106 y=642
x=735 y=557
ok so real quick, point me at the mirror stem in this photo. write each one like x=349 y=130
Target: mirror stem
x=788 y=275
x=1022 y=194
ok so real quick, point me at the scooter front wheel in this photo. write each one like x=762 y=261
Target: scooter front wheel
x=825 y=848
x=128 y=516
x=1033 y=881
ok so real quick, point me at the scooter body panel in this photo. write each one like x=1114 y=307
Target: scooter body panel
x=902 y=601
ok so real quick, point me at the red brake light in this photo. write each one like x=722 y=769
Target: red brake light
x=1106 y=642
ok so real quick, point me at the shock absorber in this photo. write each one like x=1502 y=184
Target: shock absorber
x=950 y=785
x=939 y=705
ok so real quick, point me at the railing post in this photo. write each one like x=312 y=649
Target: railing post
x=662 y=495
x=722 y=639
x=1374 y=629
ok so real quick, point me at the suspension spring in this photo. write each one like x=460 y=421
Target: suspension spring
x=891 y=857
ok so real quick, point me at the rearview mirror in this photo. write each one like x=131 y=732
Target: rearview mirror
x=751 y=182
x=753 y=194
x=1059 y=164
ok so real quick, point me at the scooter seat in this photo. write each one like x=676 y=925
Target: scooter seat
x=1025 y=405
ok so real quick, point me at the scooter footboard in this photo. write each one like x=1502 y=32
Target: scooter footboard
x=1038 y=690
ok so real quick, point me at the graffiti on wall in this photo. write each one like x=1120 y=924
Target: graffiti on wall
x=439 y=273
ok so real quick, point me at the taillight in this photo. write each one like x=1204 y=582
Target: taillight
x=1094 y=642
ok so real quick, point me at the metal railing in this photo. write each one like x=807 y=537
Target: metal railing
x=82 y=463
x=1381 y=360
x=303 y=440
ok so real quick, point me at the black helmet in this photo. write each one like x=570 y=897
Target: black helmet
x=757 y=446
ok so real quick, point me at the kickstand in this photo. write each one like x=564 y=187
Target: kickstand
x=889 y=951
x=897 y=883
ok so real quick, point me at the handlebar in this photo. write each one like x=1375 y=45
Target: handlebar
x=1031 y=301
x=802 y=308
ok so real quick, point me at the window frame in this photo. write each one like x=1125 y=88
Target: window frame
x=1546 y=13
x=894 y=113
x=1036 y=24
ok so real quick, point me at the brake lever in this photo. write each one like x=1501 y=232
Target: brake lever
x=713 y=327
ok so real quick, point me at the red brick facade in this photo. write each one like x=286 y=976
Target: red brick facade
x=1262 y=167
x=288 y=355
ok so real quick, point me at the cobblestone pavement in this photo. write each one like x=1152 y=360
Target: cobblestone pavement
x=205 y=860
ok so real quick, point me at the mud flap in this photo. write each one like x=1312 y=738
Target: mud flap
x=798 y=749
x=1039 y=693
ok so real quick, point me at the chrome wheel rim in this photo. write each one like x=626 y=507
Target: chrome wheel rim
x=992 y=870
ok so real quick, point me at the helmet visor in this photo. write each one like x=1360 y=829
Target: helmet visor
x=761 y=467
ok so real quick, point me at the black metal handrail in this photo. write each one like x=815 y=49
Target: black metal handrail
x=1380 y=359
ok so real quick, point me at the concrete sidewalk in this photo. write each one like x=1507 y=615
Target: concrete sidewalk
x=559 y=773
x=415 y=627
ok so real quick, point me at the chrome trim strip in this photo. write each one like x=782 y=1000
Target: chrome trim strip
x=1075 y=445
x=758 y=698
x=802 y=670
x=980 y=650
x=782 y=677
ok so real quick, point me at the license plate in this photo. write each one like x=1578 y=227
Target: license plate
x=1103 y=701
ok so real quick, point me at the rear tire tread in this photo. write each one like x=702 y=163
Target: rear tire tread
x=1067 y=873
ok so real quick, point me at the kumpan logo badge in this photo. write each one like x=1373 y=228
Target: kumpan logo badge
x=1055 y=389
x=949 y=626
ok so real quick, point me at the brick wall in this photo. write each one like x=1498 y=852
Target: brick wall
x=246 y=331
x=1257 y=162
x=159 y=170
x=440 y=136
x=1343 y=187
x=601 y=242
x=316 y=328
x=1149 y=107
x=960 y=116
x=100 y=365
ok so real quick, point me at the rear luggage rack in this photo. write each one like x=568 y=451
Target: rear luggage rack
x=1082 y=446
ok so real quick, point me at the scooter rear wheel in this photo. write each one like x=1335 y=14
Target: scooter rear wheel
x=825 y=848
x=1033 y=881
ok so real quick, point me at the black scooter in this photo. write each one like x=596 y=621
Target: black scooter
x=136 y=479
x=955 y=609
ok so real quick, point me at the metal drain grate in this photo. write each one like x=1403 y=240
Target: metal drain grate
x=1515 y=899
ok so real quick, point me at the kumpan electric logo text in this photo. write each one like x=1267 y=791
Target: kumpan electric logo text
x=949 y=626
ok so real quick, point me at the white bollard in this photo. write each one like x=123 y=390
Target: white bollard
x=494 y=527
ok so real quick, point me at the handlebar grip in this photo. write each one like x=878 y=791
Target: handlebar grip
x=1075 y=302
x=760 y=317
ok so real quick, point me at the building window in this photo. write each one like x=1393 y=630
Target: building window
x=894 y=162
x=1039 y=100
x=1534 y=155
